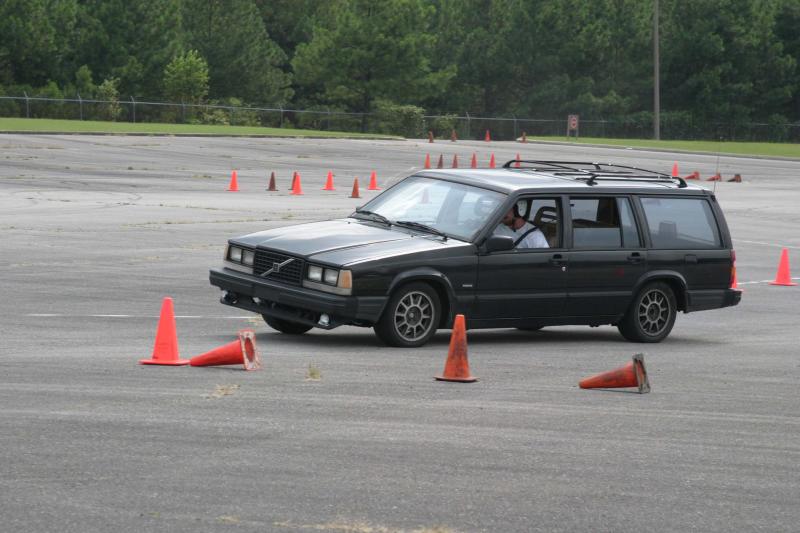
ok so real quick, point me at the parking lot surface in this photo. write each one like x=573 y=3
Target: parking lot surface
x=97 y=230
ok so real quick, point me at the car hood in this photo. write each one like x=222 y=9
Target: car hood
x=341 y=241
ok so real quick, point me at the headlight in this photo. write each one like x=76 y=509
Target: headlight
x=235 y=254
x=315 y=273
x=331 y=276
x=247 y=257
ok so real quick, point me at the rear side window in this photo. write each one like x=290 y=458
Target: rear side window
x=681 y=223
x=595 y=223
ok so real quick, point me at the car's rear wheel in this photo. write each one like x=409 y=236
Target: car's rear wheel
x=651 y=315
x=286 y=326
x=411 y=316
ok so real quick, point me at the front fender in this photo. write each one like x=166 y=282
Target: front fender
x=430 y=275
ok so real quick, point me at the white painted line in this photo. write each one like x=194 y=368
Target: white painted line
x=110 y=316
x=768 y=244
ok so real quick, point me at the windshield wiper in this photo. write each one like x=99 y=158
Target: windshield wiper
x=376 y=216
x=420 y=226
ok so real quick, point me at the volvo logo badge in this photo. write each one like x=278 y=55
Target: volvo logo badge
x=276 y=267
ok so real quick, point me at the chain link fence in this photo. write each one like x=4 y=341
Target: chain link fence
x=673 y=126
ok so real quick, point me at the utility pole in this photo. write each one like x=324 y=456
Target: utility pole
x=656 y=77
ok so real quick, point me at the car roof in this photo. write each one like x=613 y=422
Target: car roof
x=513 y=180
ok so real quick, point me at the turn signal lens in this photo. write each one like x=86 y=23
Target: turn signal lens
x=345 y=279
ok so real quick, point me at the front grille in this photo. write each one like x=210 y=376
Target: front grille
x=291 y=273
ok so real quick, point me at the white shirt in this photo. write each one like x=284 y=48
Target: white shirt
x=534 y=239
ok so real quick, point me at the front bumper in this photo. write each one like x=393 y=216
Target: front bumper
x=297 y=304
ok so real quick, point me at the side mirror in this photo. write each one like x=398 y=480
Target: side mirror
x=499 y=243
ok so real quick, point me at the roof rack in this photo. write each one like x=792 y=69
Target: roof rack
x=592 y=172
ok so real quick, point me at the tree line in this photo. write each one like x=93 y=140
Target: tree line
x=721 y=60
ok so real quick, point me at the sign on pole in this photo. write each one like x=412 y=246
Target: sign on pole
x=572 y=125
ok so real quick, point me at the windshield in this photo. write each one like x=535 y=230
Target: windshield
x=454 y=209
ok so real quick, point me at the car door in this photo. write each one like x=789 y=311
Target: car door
x=525 y=283
x=607 y=257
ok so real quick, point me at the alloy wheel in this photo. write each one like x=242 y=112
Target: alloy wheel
x=413 y=316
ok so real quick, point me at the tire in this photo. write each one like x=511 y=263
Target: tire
x=411 y=316
x=286 y=326
x=651 y=315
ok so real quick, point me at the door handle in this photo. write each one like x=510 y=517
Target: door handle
x=690 y=258
x=557 y=260
x=635 y=258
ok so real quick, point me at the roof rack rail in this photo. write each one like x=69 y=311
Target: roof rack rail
x=592 y=172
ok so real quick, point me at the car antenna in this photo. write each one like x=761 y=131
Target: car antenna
x=716 y=172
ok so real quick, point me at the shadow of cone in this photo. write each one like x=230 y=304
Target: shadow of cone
x=239 y=352
x=297 y=187
x=272 y=186
x=165 y=351
x=233 y=186
x=632 y=374
x=783 y=277
x=373 y=182
x=355 y=193
x=457 y=366
x=329 y=182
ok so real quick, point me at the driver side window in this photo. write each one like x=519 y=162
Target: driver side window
x=544 y=214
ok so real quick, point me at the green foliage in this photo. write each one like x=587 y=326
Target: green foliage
x=108 y=92
x=186 y=78
x=394 y=119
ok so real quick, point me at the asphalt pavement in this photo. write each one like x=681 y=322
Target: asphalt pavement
x=96 y=230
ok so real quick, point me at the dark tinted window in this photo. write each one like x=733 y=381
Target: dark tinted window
x=630 y=235
x=595 y=223
x=681 y=223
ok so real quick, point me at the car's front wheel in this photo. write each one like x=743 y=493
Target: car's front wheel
x=651 y=315
x=286 y=326
x=411 y=316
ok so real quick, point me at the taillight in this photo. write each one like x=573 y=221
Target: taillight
x=733 y=284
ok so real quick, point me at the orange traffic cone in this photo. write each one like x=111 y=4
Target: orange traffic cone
x=487 y=137
x=524 y=137
x=675 y=170
x=239 y=352
x=457 y=366
x=715 y=177
x=693 y=176
x=491 y=161
x=329 y=183
x=455 y=161
x=427 y=160
x=234 y=184
x=297 y=187
x=474 y=162
x=453 y=136
x=518 y=164
x=373 y=182
x=440 y=164
x=632 y=374
x=272 y=186
x=165 y=351
x=430 y=136
x=355 y=194
x=737 y=178
x=783 y=277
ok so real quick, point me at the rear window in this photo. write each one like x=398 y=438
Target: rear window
x=681 y=223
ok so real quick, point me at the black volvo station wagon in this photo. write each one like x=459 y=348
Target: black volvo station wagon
x=534 y=244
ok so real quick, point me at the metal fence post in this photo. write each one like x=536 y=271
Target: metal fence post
x=281 y=123
x=80 y=104
x=515 y=126
x=183 y=111
x=468 y=125
x=27 y=105
x=134 y=109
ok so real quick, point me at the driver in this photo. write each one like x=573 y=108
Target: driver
x=525 y=234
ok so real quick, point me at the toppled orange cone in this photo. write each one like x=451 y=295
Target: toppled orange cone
x=783 y=277
x=233 y=186
x=457 y=366
x=165 y=351
x=693 y=176
x=239 y=352
x=715 y=177
x=632 y=374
